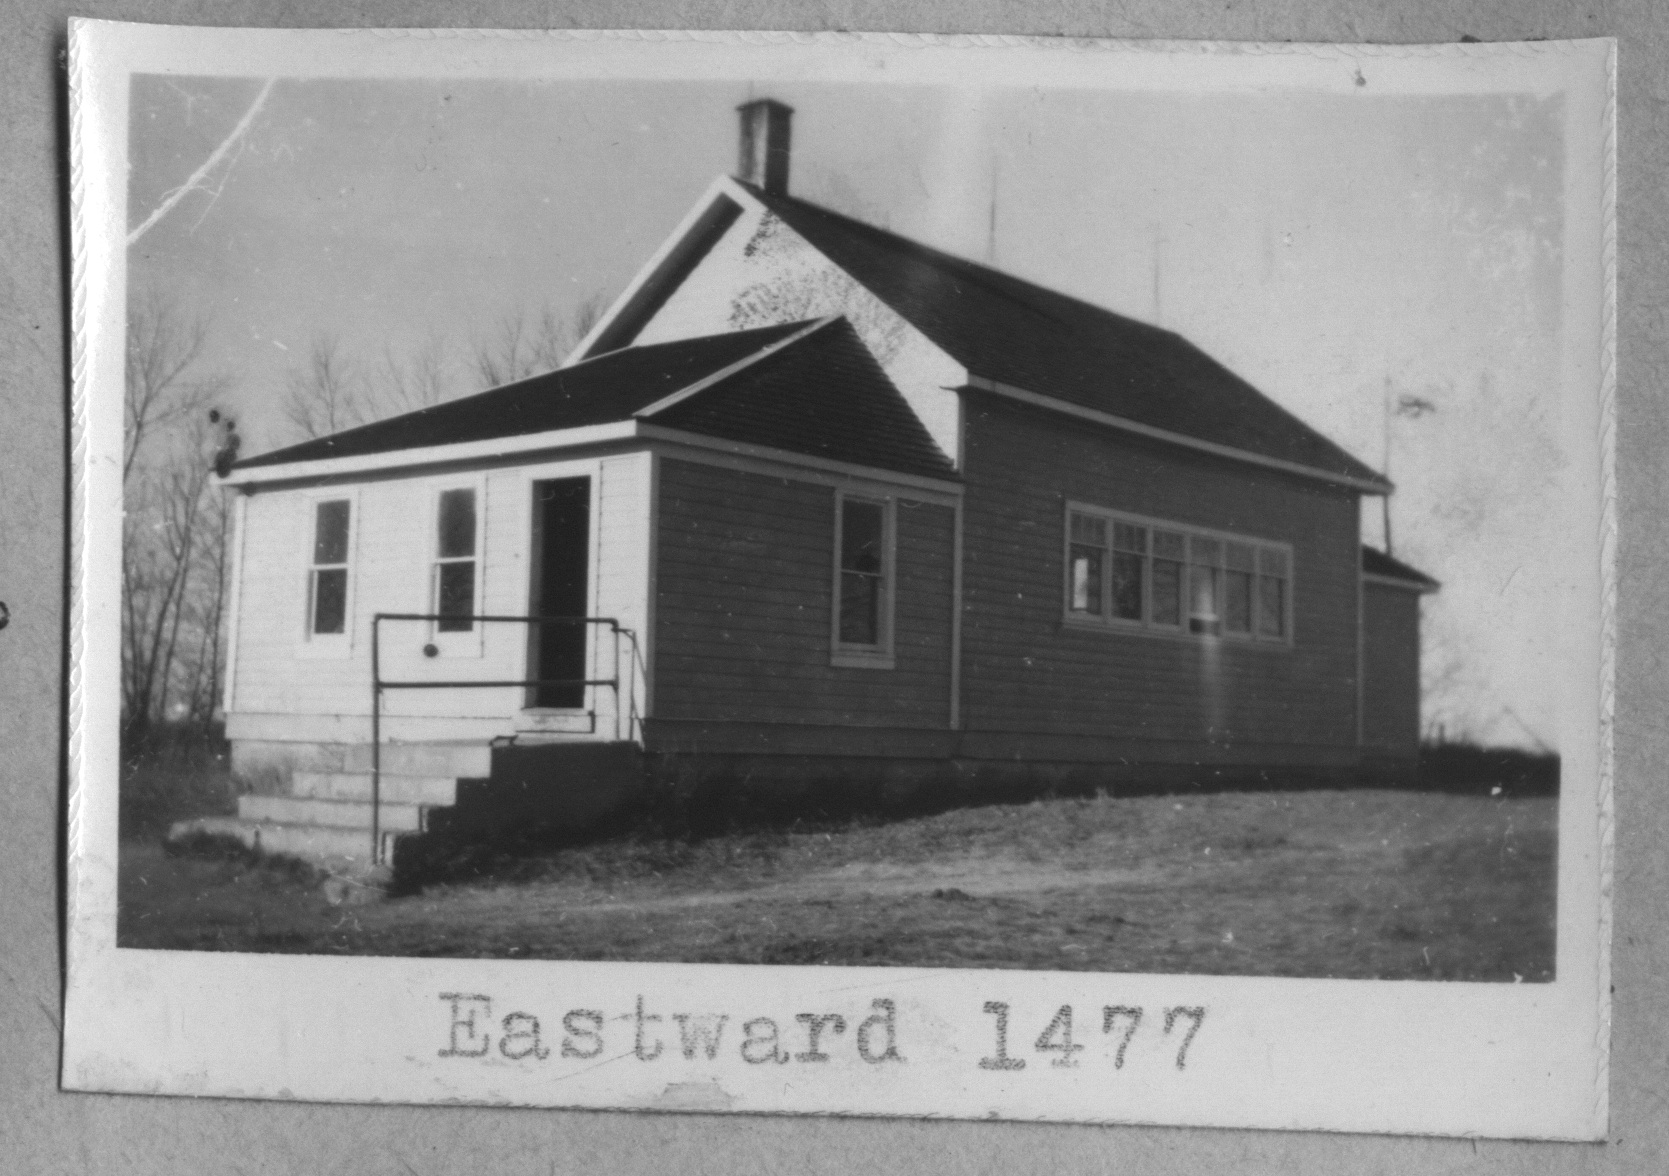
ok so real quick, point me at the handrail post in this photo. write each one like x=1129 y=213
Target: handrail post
x=623 y=698
x=376 y=745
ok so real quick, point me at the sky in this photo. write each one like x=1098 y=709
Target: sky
x=1335 y=250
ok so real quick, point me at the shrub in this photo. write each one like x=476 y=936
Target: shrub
x=173 y=772
x=1474 y=769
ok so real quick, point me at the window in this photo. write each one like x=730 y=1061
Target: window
x=455 y=561
x=1205 y=584
x=1089 y=539
x=327 y=583
x=1126 y=572
x=863 y=589
x=1272 y=593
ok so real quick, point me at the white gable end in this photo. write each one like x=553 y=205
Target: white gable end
x=761 y=272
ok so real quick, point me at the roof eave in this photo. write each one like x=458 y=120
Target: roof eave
x=1424 y=587
x=432 y=455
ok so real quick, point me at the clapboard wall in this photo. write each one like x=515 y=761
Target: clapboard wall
x=744 y=588
x=1027 y=673
x=1391 y=670
x=285 y=685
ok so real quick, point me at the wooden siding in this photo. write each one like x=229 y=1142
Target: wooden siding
x=744 y=588
x=286 y=683
x=1390 y=670
x=1025 y=670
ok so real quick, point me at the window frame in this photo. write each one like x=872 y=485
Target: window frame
x=1185 y=629
x=460 y=643
x=313 y=644
x=879 y=656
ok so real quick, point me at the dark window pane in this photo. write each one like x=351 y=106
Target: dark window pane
x=1127 y=585
x=330 y=533
x=457 y=523
x=1128 y=537
x=861 y=530
x=860 y=608
x=330 y=600
x=1167 y=592
x=1168 y=545
x=1089 y=529
x=457 y=596
x=1237 y=602
x=1272 y=606
x=1086 y=579
x=1240 y=557
x=1202 y=595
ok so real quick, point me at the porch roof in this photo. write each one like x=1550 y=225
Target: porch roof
x=806 y=387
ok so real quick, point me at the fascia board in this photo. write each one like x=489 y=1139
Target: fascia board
x=333 y=467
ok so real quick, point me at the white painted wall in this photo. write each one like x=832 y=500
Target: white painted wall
x=287 y=685
x=762 y=272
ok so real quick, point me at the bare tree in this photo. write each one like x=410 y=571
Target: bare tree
x=169 y=576
x=523 y=344
x=421 y=380
x=164 y=345
x=326 y=395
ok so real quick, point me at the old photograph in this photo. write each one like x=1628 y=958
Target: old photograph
x=857 y=519
x=627 y=544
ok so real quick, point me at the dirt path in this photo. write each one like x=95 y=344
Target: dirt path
x=953 y=879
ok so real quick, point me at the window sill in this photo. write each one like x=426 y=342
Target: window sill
x=1132 y=629
x=862 y=659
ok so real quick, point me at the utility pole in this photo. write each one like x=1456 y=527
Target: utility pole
x=1158 y=267
x=991 y=226
x=1385 y=499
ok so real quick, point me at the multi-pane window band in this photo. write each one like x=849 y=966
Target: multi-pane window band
x=455 y=561
x=1133 y=573
x=328 y=578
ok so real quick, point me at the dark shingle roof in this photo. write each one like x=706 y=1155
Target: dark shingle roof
x=1016 y=333
x=822 y=394
x=609 y=388
x=1377 y=563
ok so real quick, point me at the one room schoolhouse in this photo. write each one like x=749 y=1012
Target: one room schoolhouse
x=811 y=505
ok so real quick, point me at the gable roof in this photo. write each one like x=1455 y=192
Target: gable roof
x=824 y=395
x=1014 y=333
x=810 y=388
x=1377 y=564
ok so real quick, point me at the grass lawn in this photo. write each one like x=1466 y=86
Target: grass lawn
x=1339 y=884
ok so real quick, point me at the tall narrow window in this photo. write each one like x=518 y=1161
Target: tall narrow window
x=863 y=565
x=328 y=580
x=1168 y=552
x=1088 y=553
x=455 y=561
x=1129 y=570
x=1272 y=593
x=1205 y=584
x=1240 y=566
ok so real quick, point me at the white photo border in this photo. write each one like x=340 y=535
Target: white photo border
x=1415 y=1057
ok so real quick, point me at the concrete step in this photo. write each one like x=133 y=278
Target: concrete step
x=324 y=845
x=423 y=759
x=340 y=814
x=430 y=790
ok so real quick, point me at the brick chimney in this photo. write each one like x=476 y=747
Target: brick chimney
x=764 y=155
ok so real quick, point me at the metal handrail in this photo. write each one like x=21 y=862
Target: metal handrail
x=379 y=684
